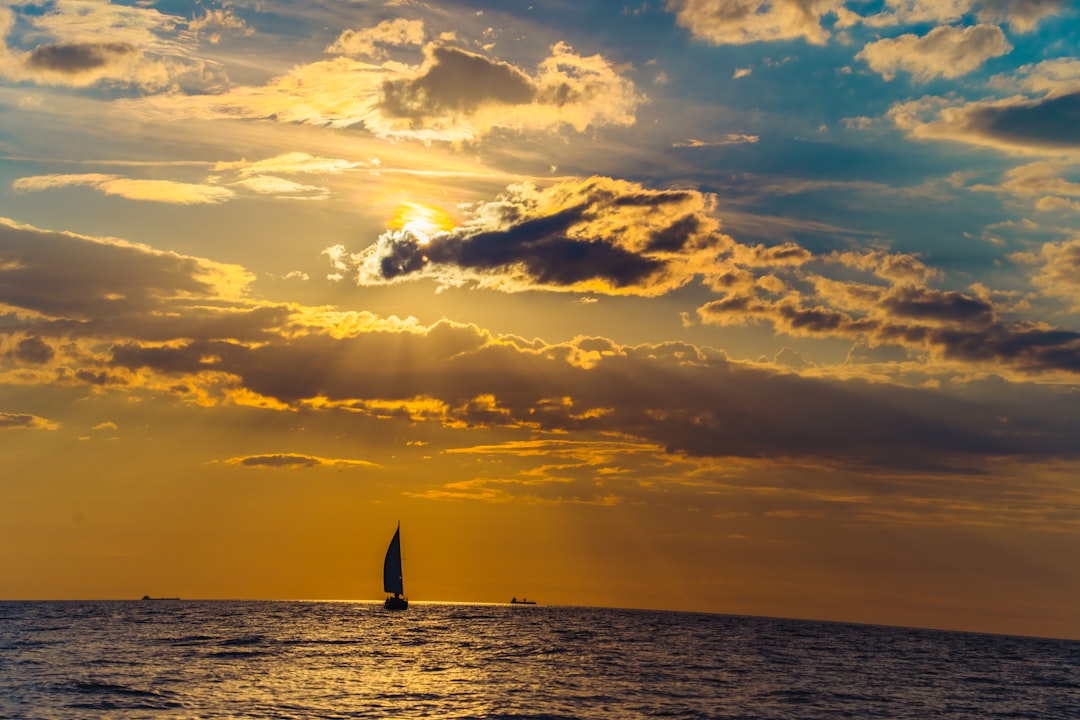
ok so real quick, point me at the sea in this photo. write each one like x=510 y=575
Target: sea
x=283 y=660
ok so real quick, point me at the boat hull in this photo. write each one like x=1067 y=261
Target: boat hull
x=395 y=602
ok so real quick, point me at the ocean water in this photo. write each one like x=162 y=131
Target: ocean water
x=217 y=659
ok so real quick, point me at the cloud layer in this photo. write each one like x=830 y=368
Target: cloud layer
x=107 y=313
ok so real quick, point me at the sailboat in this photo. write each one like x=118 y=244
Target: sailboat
x=392 y=582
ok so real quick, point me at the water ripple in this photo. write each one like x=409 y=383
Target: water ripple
x=129 y=661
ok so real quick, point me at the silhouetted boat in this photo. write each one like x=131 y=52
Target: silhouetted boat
x=147 y=597
x=392 y=582
x=522 y=601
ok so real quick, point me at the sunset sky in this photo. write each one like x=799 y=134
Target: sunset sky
x=764 y=307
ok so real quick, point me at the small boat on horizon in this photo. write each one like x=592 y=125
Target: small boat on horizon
x=522 y=601
x=147 y=597
x=392 y=579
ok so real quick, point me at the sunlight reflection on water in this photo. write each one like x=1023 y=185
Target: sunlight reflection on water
x=154 y=659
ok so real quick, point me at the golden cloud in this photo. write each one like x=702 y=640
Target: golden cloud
x=1018 y=124
x=367 y=41
x=1043 y=180
x=440 y=99
x=945 y=51
x=145 y=48
x=24 y=421
x=737 y=22
x=291 y=461
x=1057 y=269
x=164 y=191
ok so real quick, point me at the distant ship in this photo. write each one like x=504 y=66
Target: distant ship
x=522 y=601
x=147 y=597
x=392 y=582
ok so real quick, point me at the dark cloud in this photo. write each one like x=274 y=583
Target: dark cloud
x=63 y=275
x=1029 y=348
x=24 y=421
x=192 y=357
x=675 y=236
x=597 y=235
x=15 y=420
x=277 y=461
x=524 y=241
x=758 y=415
x=787 y=253
x=76 y=58
x=687 y=399
x=936 y=305
x=295 y=460
x=818 y=321
x=456 y=81
x=100 y=379
x=1047 y=123
x=33 y=351
x=954 y=325
x=546 y=253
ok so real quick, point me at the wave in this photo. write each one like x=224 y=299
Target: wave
x=103 y=695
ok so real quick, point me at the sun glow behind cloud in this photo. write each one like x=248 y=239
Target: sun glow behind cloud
x=422 y=221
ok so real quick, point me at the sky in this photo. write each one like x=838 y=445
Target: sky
x=761 y=307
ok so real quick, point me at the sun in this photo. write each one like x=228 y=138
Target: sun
x=422 y=221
